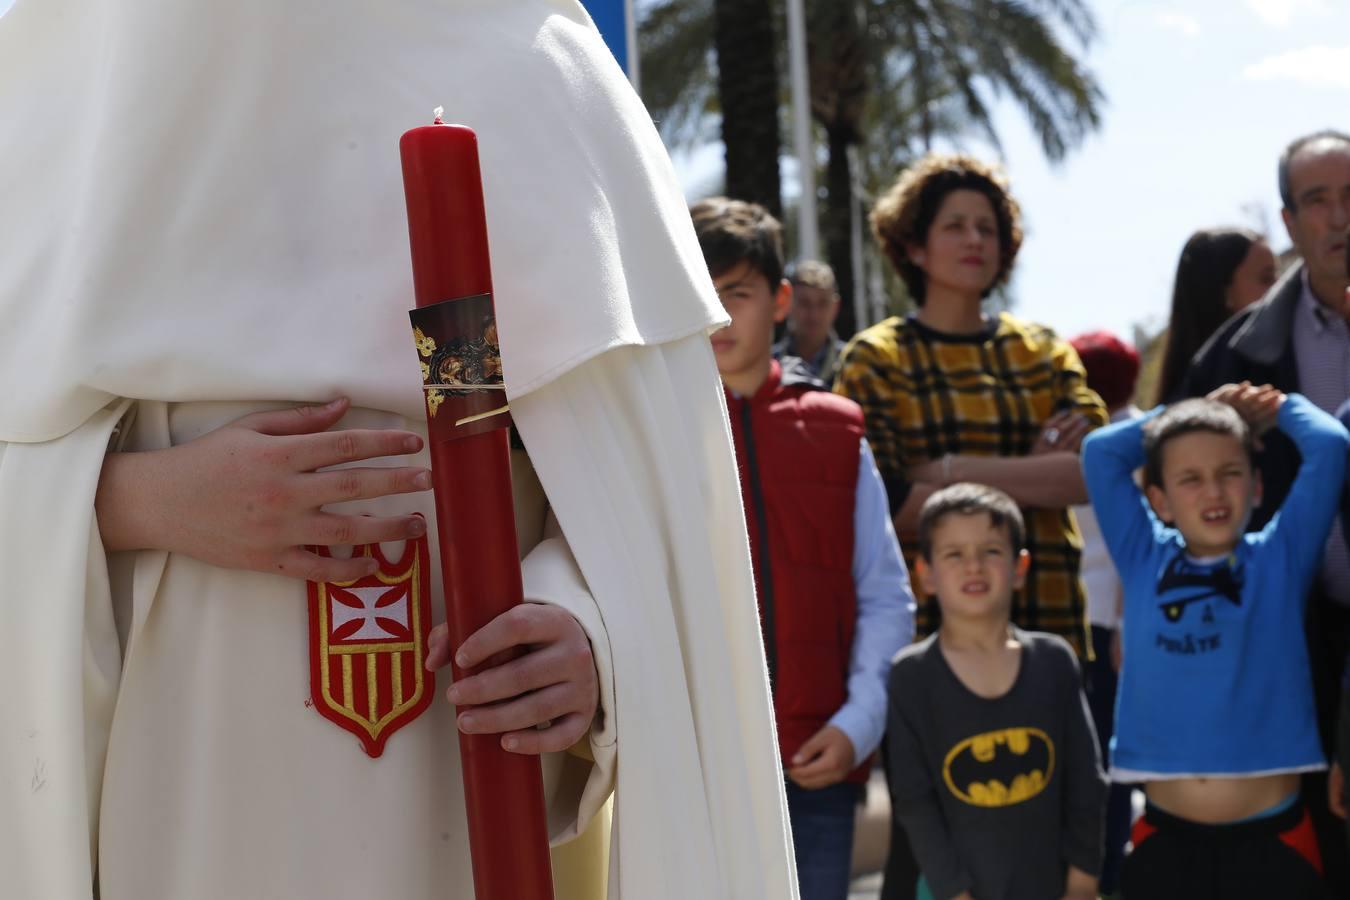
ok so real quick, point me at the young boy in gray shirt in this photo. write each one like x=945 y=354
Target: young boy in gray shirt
x=993 y=763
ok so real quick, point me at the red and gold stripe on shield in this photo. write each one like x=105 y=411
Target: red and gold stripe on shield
x=368 y=645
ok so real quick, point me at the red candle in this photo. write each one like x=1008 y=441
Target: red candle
x=456 y=335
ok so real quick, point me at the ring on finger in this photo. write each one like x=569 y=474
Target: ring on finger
x=1052 y=436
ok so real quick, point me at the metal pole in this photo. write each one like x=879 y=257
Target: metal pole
x=631 y=36
x=808 y=241
x=862 y=315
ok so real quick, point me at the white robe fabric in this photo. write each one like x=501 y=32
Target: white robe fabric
x=203 y=216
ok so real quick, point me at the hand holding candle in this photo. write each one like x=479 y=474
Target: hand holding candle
x=553 y=684
x=457 y=346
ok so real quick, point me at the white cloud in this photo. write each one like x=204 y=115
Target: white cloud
x=1281 y=12
x=1181 y=22
x=1315 y=66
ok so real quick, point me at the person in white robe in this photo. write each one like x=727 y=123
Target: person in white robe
x=203 y=227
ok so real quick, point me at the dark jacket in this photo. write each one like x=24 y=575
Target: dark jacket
x=798 y=450
x=1257 y=345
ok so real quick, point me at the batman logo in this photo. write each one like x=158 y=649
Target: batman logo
x=1000 y=768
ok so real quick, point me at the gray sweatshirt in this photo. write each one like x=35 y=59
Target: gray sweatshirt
x=998 y=796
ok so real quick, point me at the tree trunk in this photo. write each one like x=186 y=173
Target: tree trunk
x=747 y=84
x=838 y=227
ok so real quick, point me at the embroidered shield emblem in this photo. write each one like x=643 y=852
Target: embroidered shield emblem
x=368 y=645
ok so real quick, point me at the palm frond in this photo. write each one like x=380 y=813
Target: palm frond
x=679 y=87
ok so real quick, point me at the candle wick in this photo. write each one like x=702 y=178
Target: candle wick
x=437 y=112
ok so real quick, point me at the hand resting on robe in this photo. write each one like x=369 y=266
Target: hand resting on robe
x=249 y=495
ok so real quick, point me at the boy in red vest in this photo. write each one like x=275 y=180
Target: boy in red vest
x=834 y=595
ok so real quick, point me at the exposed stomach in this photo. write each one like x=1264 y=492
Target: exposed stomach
x=1214 y=801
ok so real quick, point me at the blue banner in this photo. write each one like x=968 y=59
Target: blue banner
x=609 y=16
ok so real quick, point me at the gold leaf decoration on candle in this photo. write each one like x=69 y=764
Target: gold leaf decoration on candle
x=425 y=345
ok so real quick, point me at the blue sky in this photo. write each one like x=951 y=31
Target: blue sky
x=1202 y=97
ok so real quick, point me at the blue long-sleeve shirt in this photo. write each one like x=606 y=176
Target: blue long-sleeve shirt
x=885 y=622
x=1215 y=679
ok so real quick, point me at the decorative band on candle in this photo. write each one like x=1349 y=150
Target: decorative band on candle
x=461 y=363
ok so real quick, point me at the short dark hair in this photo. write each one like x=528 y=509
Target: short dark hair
x=1188 y=417
x=731 y=232
x=904 y=214
x=813 y=273
x=967 y=499
x=1287 y=157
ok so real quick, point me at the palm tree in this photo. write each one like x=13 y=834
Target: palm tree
x=890 y=76
x=935 y=72
x=678 y=85
x=747 y=83
x=837 y=57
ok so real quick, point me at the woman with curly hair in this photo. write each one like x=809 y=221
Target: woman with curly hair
x=951 y=393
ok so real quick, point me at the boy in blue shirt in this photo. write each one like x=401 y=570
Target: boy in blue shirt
x=1215 y=713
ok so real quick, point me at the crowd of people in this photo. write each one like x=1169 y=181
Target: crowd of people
x=1104 y=600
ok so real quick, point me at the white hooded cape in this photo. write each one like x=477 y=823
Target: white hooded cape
x=202 y=202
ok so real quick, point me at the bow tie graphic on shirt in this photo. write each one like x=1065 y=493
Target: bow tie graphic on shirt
x=1224 y=580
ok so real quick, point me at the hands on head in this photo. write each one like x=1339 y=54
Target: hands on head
x=1259 y=405
x=251 y=495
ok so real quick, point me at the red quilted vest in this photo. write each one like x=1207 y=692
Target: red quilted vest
x=797 y=450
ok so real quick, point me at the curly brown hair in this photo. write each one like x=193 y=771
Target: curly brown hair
x=904 y=214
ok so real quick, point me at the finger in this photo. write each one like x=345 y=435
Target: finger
x=563 y=733
x=298 y=419
x=528 y=623
x=812 y=777
x=1056 y=420
x=438 y=647
x=819 y=767
x=308 y=452
x=296 y=562
x=552 y=664
x=1079 y=423
x=336 y=530
x=1074 y=430
x=344 y=485
x=535 y=708
x=810 y=749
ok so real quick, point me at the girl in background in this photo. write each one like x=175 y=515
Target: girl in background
x=1221 y=272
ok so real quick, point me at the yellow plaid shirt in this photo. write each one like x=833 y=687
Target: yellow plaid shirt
x=925 y=394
